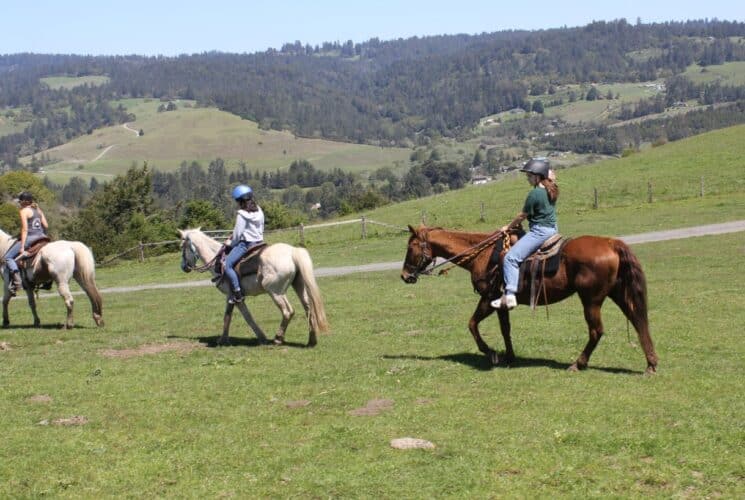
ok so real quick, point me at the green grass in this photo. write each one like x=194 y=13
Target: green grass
x=70 y=82
x=729 y=73
x=220 y=422
x=203 y=134
x=228 y=422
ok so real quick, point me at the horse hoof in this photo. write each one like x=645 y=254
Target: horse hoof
x=651 y=370
x=573 y=368
x=494 y=358
x=278 y=341
x=311 y=344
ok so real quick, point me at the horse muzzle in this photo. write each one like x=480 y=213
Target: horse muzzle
x=185 y=268
x=408 y=278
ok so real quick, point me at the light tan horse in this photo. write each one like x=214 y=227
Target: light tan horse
x=280 y=265
x=57 y=261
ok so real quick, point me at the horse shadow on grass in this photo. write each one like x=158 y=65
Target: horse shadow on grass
x=482 y=363
x=50 y=326
x=213 y=341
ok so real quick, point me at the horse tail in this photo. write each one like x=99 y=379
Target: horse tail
x=85 y=275
x=631 y=296
x=316 y=311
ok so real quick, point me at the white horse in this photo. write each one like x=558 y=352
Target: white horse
x=279 y=266
x=57 y=261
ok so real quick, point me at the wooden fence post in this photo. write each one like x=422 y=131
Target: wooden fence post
x=649 y=191
x=301 y=233
x=595 y=202
x=364 y=228
x=142 y=252
x=483 y=216
x=424 y=217
x=702 y=186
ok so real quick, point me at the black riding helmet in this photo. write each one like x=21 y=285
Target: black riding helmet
x=26 y=196
x=537 y=167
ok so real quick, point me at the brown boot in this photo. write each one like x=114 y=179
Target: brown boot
x=15 y=283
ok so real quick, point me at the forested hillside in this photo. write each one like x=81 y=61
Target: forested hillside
x=384 y=92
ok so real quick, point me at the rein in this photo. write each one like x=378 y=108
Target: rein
x=458 y=259
x=207 y=266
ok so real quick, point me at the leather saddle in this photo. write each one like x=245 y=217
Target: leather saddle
x=248 y=264
x=543 y=263
x=26 y=265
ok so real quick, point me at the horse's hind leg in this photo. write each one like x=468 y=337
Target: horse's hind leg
x=302 y=294
x=641 y=325
x=595 y=327
x=287 y=313
x=32 y=305
x=64 y=290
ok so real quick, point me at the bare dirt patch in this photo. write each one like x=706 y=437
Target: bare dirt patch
x=408 y=443
x=373 y=407
x=144 y=350
x=75 y=420
x=301 y=403
x=39 y=398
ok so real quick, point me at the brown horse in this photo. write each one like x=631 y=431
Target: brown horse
x=593 y=267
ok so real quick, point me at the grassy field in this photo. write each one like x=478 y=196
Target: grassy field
x=203 y=134
x=161 y=413
x=146 y=406
x=730 y=73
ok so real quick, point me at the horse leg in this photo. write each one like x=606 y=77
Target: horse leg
x=32 y=304
x=505 y=328
x=225 y=338
x=641 y=325
x=483 y=310
x=6 y=300
x=243 y=308
x=64 y=290
x=302 y=294
x=595 y=327
x=287 y=313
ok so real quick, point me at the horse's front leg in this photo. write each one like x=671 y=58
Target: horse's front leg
x=225 y=338
x=243 y=308
x=6 y=300
x=483 y=310
x=287 y=313
x=505 y=328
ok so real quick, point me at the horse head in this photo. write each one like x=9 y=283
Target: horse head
x=189 y=254
x=418 y=255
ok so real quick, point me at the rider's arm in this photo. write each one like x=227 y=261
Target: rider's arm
x=43 y=219
x=515 y=222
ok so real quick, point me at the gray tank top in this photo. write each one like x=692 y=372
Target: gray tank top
x=35 y=228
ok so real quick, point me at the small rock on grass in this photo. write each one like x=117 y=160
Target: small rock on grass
x=408 y=443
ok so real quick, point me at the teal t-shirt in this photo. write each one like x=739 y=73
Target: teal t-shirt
x=541 y=212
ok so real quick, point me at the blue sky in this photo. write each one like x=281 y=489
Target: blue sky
x=185 y=27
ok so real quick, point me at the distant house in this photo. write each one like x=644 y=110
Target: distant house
x=480 y=179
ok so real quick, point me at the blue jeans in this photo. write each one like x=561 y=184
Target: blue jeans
x=520 y=251
x=236 y=254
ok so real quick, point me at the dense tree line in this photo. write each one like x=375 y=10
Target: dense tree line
x=394 y=92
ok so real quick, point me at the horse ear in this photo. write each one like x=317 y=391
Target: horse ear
x=412 y=230
x=180 y=232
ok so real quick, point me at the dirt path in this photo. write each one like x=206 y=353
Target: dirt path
x=673 y=234
x=126 y=125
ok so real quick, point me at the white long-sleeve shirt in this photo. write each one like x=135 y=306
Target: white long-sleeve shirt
x=249 y=226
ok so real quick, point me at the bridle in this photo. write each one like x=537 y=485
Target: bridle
x=425 y=259
x=189 y=264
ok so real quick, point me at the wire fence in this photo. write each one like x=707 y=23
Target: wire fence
x=361 y=228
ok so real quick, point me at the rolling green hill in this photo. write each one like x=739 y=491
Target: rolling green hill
x=203 y=134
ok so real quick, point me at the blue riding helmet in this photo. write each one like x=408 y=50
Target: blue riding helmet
x=242 y=192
